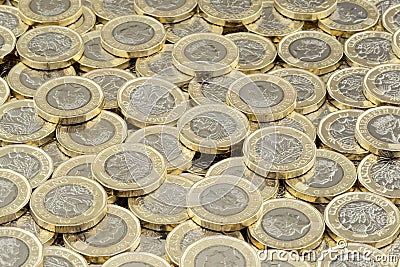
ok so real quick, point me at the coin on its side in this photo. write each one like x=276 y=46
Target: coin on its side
x=69 y=100
x=363 y=217
x=68 y=204
x=315 y=51
x=166 y=11
x=277 y=229
x=107 y=10
x=50 y=47
x=19 y=123
x=130 y=169
x=85 y=22
x=59 y=256
x=8 y=42
x=224 y=203
x=20 y=248
x=118 y=232
x=280 y=152
x=133 y=36
x=136 y=258
x=305 y=10
x=11 y=20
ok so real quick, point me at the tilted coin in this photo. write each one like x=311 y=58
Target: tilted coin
x=224 y=203
x=282 y=152
x=118 y=232
x=391 y=18
x=309 y=87
x=165 y=139
x=8 y=42
x=32 y=162
x=369 y=49
x=110 y=81
x=346 y=89
x=69 y=100
x=19 y=123
x=256 y=53
x=166 y=11
x=49 y=13
x=52 y=149
x=59 y=256
x=195 y=24
x=16 y=192
x=11 y=20
x=4 y=91
x=151 y=101
x=384 y=5
x=136 y=258
x=235 y=166
x=153 y=242
x=130 y=169
x=306 y=10
x=107 y=10
x=92 y=137
x=203 y=161
x=316 y=116
x=85 y=22
x=20 y=248
x=24 y=81
x=205 y=54
x=50 y=47
x=311 y=50
x=133 y=36
x=336 y=132
x=212 y=128
x=288 y=224
x=332 y=175
x=363 y=217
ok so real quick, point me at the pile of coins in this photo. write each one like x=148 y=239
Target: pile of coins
x=199 y=133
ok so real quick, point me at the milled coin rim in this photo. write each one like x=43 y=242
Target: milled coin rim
x=4 y=91
x=9 y=40
x=89 y=21
x=141 y=7
x=308 y=14
x=141 y=257
x=72 y=257
x=22 y=27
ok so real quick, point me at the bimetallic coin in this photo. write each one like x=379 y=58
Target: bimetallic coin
x=224 y=203
x=332 y=175
x=9 y=18
x=205 y=54
x=153 y=242
x=345 y=89
x=68 y=204
x=280 y=152
x=4 y=91
x=86 y=21
x=288 y=224
x=195 y=24
x=69 y=100
x=24 y=81
x=109 y=9
x=165 y=139
x=362 y=217
x=118 y=232
x=391 y=19
x=211 y=251
x=151 y=101
x=316 y=116
x=133 y=36
x=52 y=149
x=50 y=47
x=136 y=258
x=166 y=11
x=369 y=49
x=336 y=132
x=377 y=130
x=110 y=81
x=19 y=248
x=7 y=42
x=59 y=256
x=315 y=51
x=130 y=169
x=306 y=10
x=384 y=5
x=19 y=123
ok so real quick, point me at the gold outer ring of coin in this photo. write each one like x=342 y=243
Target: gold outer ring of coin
x=247 y=252
x=136 y=257
x=130 y=50
x=222 y=222
x=334 y=27
x=63 y=18
x=53 y=150
x=325 y=65
x=264 y=167
x=14 y=208
x=174 y=14
x=44 y=62
x=67 y=255
x=335 y=90
x=147 y=184
x=59 y=224
x=19 y=88
x=199 y=68
x=316 y=116
x=310 y=13
x=85 y=23
x=57 y=114
x=378 y=238
x=382 y=147
x=4 y=91
x=9 y=41
x=262 y=239
x=300 y=187
x=65 y=168
x=356 y=60
x=36 y=138
x=389 y=19
x=99 y=254
x=23 y=238
x=13 y=12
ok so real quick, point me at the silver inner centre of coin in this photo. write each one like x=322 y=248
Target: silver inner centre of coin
x=328 y=173
x=272 y=20
x=374 y=49
x=95 y=135
x=110 y=85
x=49 y=7
x=166 y=5
x=385 y=4
x=168 y=200
x=50 y=44
x=168 y=145
x=33 y=79
x=94 y=51
x=119 y=7
x=83 y=170
x=342 y=130
x=213 y=125
x=68 y=96
x=261 y=94
x=220 y=255
x=304 y=87
x=21 y=121
x=56 y=261
x=385 y=128
x=396 y=19
x=250 y=51
x=386 y=173
x=13 y=252
x=231 y=7
x=348 y=13
x=153 y=100
x=8 y=192
x=26 y=164
x=195 y=25
x=309 y=49
x=388 y=83
x=352 y=87
x=305 y=4
x=133 y=33
x=205 y=51
x=8 y=20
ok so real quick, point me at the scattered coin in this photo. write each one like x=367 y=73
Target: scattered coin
x=59 y=256
x=4 y=91
x=107 y=10
x=11 y=20
x=316 y=116
x=52 y=149
x=305 y=10
x=85 y=22
x=153 y=242
x=8 y=42
x=137 y=258
x=390 y=19
x=166 y=11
